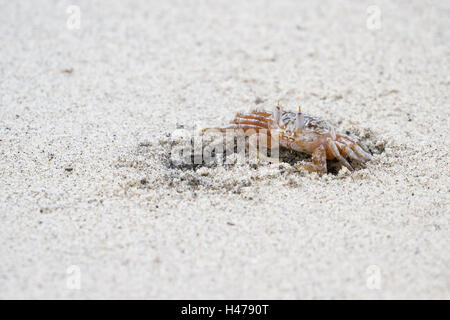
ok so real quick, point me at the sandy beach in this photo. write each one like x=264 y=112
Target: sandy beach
x=92 y=94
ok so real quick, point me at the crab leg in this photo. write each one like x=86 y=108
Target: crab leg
x=251 y=116
x=360 y=152
x=352 y=155
x=245 y=122
x=346 y=151
x=261 y=113
x=234 y=126
x=250 y=121
x=355 y=141
x=335 y=151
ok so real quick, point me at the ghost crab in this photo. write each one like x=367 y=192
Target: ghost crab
x=299 y=132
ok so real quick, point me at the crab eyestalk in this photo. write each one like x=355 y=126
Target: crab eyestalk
x=333 y=134
x=299 y=120
x=277 y=115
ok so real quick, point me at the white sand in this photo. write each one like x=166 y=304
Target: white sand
x=135 y=70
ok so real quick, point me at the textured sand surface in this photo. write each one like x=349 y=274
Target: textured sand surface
x=86 y=125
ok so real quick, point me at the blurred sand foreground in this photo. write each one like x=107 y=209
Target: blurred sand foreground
x=92 y=90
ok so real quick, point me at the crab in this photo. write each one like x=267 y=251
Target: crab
x=299 y=132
